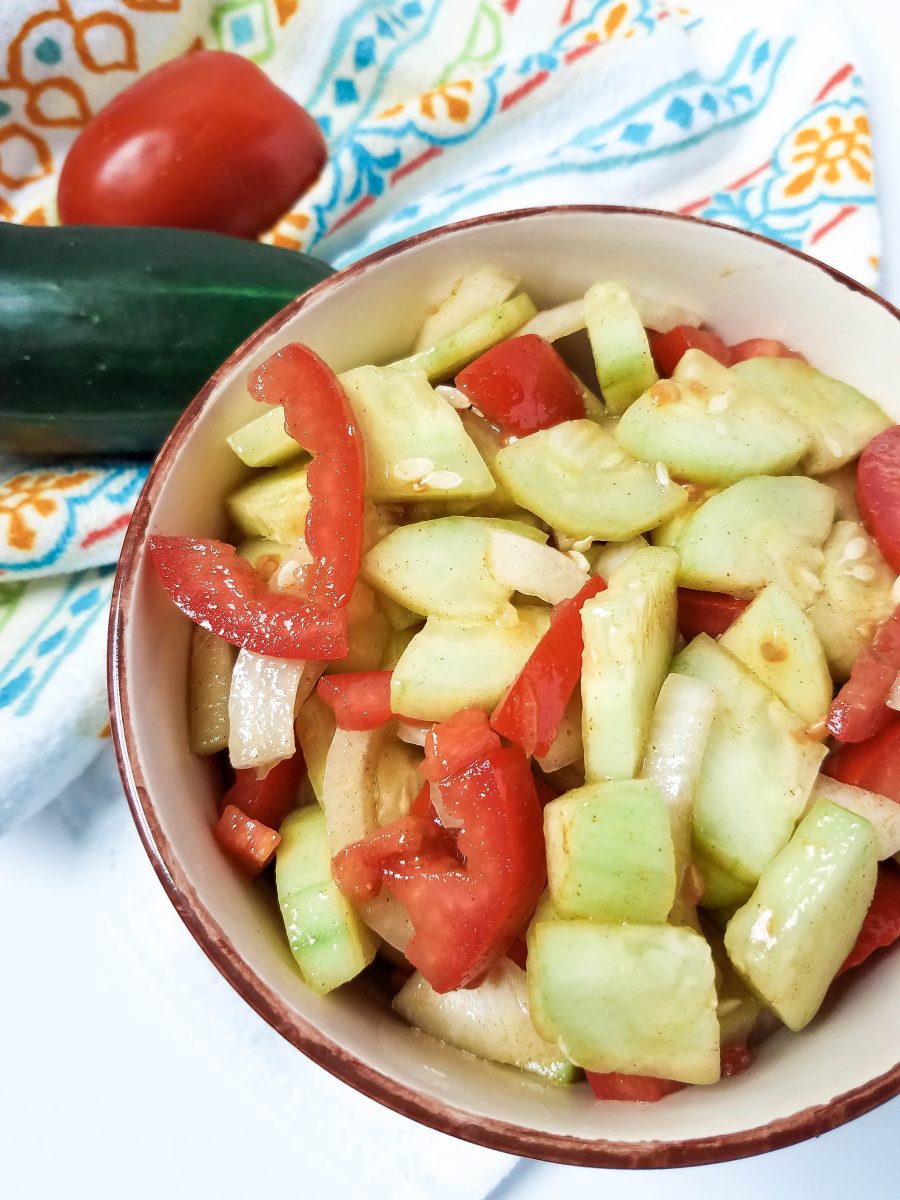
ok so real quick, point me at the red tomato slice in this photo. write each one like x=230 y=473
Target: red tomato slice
x=317 y=414
x=267 y=800
x=881 y=926
x=522 y=385
x=643 y=1089
x=668 y=347
x=358 y=701
x=707 y=612
x=249 y=844
x=873 y=765
x=224 y=594
x=762 y=348
x=735 y=1059
x=206 y=141
x=878 y=492
x=530 y=712
x=468 y=903
x=517 y=952
x=454 y=744
x=860 y=708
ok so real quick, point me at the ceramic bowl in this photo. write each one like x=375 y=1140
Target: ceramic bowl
x=848 y=1060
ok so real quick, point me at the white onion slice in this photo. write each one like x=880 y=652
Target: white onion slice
x=444 y=817
x=349 y=787
x=555 y=323
x=882 y=812
x=387 y=917
x=413 y=735
x=662 y=315
x=613 y=554
x=893 y=700
x=679 y=732
x=567 y=747
x=526 y=566
x=264 y=695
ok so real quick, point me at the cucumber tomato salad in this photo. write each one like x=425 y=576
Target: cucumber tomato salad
x=557 y=664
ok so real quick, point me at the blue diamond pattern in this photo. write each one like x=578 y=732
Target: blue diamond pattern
x=743 y=90
x=345 y=91
x=637 y=133
x=761 y=56
x=384 y=28
x=680 y=113
x=364 y=53
x=709 y=103
x=412 y=9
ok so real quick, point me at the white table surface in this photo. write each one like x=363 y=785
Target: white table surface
x=105 y=1094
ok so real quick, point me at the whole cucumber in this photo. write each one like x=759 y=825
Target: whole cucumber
x=107 y=334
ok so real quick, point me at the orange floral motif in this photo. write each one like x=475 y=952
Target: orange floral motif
x=42 y=160
x=150 y=6
x=29 y=492
x=457 y=107
x=286 y=9
x=828 y=153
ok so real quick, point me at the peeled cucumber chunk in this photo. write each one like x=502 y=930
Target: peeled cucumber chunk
x=711 y=427
x=720 y=889
x=610 y=854
x=329 y=942
x=758 y=770
x=640 y=999
x=629 y=636
x=314 y=728
x=775 y=639
x=440 y=567
x=622 y=356
x=791 y=937
x=490 y=1021
x=212 y=661
x=448 y=666
x=488 y=443
x=855 y=596
x=577 y=479
x=470 y=297
x=264 y=441
x=415 y=444
x=840 y=420
x=759 y=531
x=272 y=505
x=738 y=1009
x=458 y=349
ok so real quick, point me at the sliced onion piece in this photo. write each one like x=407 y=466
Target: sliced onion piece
x=882 y=812
x=526 y=566
x=567 y=747
x=387 y=917
x=555 y=323
x=349 y=788
x=264 y=696
x=607 y=558
x=662 y=315
x=679 y=732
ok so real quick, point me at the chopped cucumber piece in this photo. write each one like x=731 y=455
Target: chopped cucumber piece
x=738 y=1009
x=559 y=322
x=265 y=555
x=488 y=443
x=264 y=441
x=448 y=666
x=629 y=635
x=398 y=616
x=609 y=853
x=843 y=484
x=272 y=505
x=619 y=344
x=461 y=347
x=640 y=999
x=882 y=813
x=604 y=559
x=440 y=568
x=775 y=639
x=577 y=479
x=841 y=421
x=212 y=661
x=720 y=889
x=490 y=1021
x=329 y=942
x=395 y=647
x=759 y=531
x=470 y=298
x=368 y=632
x=669 y=532
x=314 y=727
x=855 y=597
x=791 y=937
x=415 y=444
x=709 y=426
x=758 y=770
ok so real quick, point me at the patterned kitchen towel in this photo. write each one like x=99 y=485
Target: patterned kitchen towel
x=433 y=110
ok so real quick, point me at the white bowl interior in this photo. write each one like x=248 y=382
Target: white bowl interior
x=744 y=287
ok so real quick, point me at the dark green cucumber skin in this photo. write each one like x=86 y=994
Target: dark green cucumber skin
x=107 y=334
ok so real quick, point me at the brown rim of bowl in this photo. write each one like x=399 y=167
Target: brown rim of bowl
x=497 y=1135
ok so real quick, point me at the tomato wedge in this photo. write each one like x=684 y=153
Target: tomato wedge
x=466 y=903
x=452 y=745
x=878 y=492
x=762 y=348
x=522 y=385
x=248 y=843
x=668 y=348
x=224 y=594
x=360 y=700
x=642 y=1089
x=317 y=414
x=860 y=709
x=267 y=800
x=530 y=712
x=873 y=764
x=707 y=612
x=881 y=926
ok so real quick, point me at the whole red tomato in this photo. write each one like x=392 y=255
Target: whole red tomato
x=206 y=141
